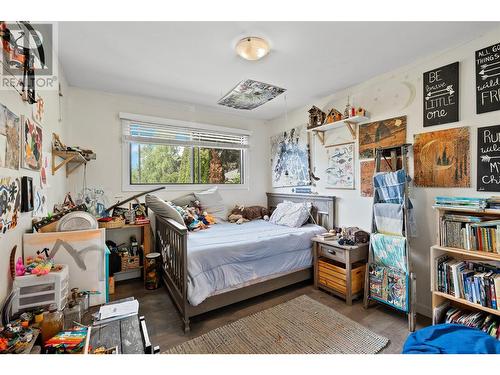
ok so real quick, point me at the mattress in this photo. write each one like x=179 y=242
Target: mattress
x=228 y=255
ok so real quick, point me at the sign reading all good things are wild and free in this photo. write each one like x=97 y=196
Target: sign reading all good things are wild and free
x=488 y=158
x=441 y=95
x=488 y=79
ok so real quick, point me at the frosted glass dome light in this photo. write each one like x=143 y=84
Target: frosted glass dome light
x=252 y=48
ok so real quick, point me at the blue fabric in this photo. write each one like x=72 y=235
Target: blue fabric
x=389 y=251
x=451 y=339
x=390 y=186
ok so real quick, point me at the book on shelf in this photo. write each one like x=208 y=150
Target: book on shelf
x=473 y=281
x=469 y=232
x=461 y=202
x=488 y=323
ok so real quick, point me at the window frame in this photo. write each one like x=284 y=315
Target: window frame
x=126 y=155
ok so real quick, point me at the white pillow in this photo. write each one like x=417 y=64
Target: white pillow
x=291 y=214
x=163 y=209
x=211 y=201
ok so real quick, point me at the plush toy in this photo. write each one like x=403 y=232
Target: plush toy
x=20 y=269
x=241 y=214
x=39 y=265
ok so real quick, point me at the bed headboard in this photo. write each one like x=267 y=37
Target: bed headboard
x=323 y=206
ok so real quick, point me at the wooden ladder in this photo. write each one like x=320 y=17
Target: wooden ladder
x=391 y=156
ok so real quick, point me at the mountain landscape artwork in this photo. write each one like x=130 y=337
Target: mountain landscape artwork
x=442 y=158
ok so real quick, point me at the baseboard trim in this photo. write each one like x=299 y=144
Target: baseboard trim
x=424 y=310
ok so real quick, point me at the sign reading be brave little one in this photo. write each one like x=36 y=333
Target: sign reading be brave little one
x=441 y=95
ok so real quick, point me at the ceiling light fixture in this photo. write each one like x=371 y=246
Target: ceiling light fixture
x=252 y=48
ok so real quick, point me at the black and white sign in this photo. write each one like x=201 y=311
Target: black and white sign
x=488 y=158
x=441 y=95
x=488 y=79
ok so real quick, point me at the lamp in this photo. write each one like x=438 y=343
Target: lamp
x=252 y=48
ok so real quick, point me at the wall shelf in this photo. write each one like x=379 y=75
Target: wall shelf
x=350 y=123
x=71 y=159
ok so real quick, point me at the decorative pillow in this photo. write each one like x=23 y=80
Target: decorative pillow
x=163 y=209
x=291 y=214
x=211 y=202
x=185 y=200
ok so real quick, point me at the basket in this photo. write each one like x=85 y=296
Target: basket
x=117 y=222
x=130 y=262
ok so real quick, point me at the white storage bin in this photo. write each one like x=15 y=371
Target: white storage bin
x=38 y=291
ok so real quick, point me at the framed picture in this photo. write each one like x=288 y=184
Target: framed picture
x=340 y=171
x=290 y=158
x=32 y=145
x=26 y=194
x=384 y=133
x=442 y=158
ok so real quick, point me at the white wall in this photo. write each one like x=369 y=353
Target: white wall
x=95 y=125
x=56 y=185
x=394 y=94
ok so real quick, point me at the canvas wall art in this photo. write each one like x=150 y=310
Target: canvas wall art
x=84 y=253
x=340 y=171
x=9 y=139
x=290 y=158
x=385 y=133
x=32 y=145
x=367 y=168
x=10 y=203
x=40 y=202
x=442 y=158
x=250 y=94
x=38 y=110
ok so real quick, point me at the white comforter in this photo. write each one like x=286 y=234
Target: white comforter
x=228 y=255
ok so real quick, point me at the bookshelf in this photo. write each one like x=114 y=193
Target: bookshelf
x=437 y=251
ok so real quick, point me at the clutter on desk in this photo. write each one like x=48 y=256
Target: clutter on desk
x=17 y=337
x=116 y=311
x=52 y=323
x=68 y=342
x=346 y=236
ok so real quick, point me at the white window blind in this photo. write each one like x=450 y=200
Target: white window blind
x=187 y=135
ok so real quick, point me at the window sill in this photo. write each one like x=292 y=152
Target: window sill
x=186 y=187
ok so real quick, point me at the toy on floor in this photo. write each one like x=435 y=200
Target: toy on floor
x=242 y=214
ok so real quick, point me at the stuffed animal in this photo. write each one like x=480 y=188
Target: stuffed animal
x=242 y=214
x=20 y=269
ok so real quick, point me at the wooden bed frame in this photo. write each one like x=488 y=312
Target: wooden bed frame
x=171 y=243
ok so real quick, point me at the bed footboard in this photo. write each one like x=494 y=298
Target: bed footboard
x=171 y=243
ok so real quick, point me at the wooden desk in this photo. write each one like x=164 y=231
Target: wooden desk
x=339 y=269
x=129 y=334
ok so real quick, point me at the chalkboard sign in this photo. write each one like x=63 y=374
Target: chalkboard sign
x=441 y=95
x=488 y=79
x=488 y=158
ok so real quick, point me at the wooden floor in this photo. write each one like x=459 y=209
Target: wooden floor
x=165 y=325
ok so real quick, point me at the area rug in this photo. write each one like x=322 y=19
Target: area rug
x=299 y=326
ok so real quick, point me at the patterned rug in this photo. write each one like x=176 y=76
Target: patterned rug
x=299 y=326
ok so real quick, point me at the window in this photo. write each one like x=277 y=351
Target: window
x=168 y=152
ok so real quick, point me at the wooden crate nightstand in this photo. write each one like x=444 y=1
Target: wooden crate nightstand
x=339 y=269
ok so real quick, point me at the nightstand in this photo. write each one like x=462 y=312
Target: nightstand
x=339 y=269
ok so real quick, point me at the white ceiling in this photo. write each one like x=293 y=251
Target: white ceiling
x=195 y=62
